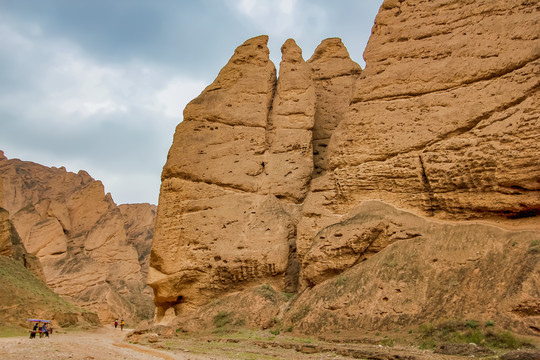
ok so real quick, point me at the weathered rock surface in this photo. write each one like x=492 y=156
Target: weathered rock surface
x=443 y=123
x=92 y=252
x=444 y=119
x=245 y=143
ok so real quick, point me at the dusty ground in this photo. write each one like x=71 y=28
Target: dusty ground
x=103 y=343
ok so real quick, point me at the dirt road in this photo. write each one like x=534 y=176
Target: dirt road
x=107 y=343
x=103 y=343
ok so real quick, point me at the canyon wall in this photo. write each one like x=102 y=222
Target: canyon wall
x=268 y=179
x=92 y=252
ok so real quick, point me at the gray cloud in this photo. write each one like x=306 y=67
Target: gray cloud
x=100 y=85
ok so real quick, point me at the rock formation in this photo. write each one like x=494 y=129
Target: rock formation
x=92 y=252
x=221 y=225
x=444 y=119
x=427 y=271
x=273 y=181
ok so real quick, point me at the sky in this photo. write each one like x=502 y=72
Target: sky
x=101 y=85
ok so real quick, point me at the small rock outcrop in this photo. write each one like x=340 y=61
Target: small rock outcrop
x=91 y=251
x=12 y=247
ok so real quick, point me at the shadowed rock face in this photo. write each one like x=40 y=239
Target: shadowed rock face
x=11 y=246
x=443 y=123
x=91 y=251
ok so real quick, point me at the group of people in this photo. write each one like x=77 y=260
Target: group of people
x=41 y=330
x=121 y=324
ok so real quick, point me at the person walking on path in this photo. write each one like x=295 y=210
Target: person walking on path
x=115 y=323
x=122 y=324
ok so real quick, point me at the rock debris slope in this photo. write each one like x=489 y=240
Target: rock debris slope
x=273 y=181
x=91 y=251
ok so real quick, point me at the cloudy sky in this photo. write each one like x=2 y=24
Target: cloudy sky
x=100 y=85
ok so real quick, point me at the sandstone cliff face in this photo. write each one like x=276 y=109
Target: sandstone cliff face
x=444 y=120
x=443 y=123
x=89 y=248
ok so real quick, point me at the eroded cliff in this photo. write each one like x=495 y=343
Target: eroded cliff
x=269 y=180
x=91 y=251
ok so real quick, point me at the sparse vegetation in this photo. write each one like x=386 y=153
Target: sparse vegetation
x=240 y=322
x=300 y=314
x=341 y=281
x=386 y=342
x=290 y=329
x=469 y=331
x=534 y=247
x=390 y=263
x=268 y=293
x=222 y=318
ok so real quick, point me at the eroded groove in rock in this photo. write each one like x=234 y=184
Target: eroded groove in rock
x=334 y=74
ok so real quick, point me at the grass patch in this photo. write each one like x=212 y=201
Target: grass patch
x=288 y=296
x=11 y=331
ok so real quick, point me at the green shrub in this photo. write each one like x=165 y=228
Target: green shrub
x=222 y=318
x=473 y=324
x=426 y=330
x=267 y=292
x=290 y=329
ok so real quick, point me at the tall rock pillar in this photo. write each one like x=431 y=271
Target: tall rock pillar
x=239 y=166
